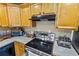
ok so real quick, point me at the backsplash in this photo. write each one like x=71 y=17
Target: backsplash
x=48 y=26
x=4 y=31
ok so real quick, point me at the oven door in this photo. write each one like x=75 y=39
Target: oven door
x=34 y=52
x=31 y=54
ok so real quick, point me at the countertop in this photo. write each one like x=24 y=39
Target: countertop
x=61 y=51
x=21 y=39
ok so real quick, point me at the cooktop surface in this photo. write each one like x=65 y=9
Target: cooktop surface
x=44 y=46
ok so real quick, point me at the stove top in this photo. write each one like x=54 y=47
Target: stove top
x=64 y=42
x=44 y=46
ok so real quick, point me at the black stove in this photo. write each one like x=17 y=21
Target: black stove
x=41 y=45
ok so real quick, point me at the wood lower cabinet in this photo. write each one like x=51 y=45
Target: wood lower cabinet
x=25 y=15
x=19 y=49
x=3 y=16
x=14 y=15
x=67 y=16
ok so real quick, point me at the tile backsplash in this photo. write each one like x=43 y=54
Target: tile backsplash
x=48 y=26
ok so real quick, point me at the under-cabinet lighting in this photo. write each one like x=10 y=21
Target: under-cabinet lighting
x=68 y=3
x=36 y=6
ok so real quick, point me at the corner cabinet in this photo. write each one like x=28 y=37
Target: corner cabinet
x=67 y=16
x=14 y=15
x=3 y=16
x=19 y=49
x=25 y=16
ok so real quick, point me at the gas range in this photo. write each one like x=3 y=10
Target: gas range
x=64 y=41
x=44 y=46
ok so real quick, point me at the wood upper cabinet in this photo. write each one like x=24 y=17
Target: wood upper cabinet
x=49 y=7
x=19 y=48
x=67 y=16
x=25 y=15
x=35 y=9
x=14 y=15
x=78 y=16
x=3 y=16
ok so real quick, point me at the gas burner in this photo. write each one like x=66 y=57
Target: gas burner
x=64 y=42
x=65 y=39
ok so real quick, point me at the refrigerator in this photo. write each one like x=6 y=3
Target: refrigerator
x=75 y=41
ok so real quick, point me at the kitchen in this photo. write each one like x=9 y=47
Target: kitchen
x=39 y=29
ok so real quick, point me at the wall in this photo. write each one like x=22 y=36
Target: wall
x=48 y=26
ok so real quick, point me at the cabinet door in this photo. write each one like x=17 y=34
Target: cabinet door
x=49 y=7
x=3 y=15
x=67 y=16
x=14 y=16
x=78 y=15
x=35 y=9
x=25 y=16
x=19 y=49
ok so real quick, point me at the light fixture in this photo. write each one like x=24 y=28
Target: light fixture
x=68 y=3
x=36 y=5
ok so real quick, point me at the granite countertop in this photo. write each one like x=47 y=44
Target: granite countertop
x=57 y=50
x=21 y=39
x=61 y=51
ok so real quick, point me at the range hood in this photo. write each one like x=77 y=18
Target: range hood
x=44 y=17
